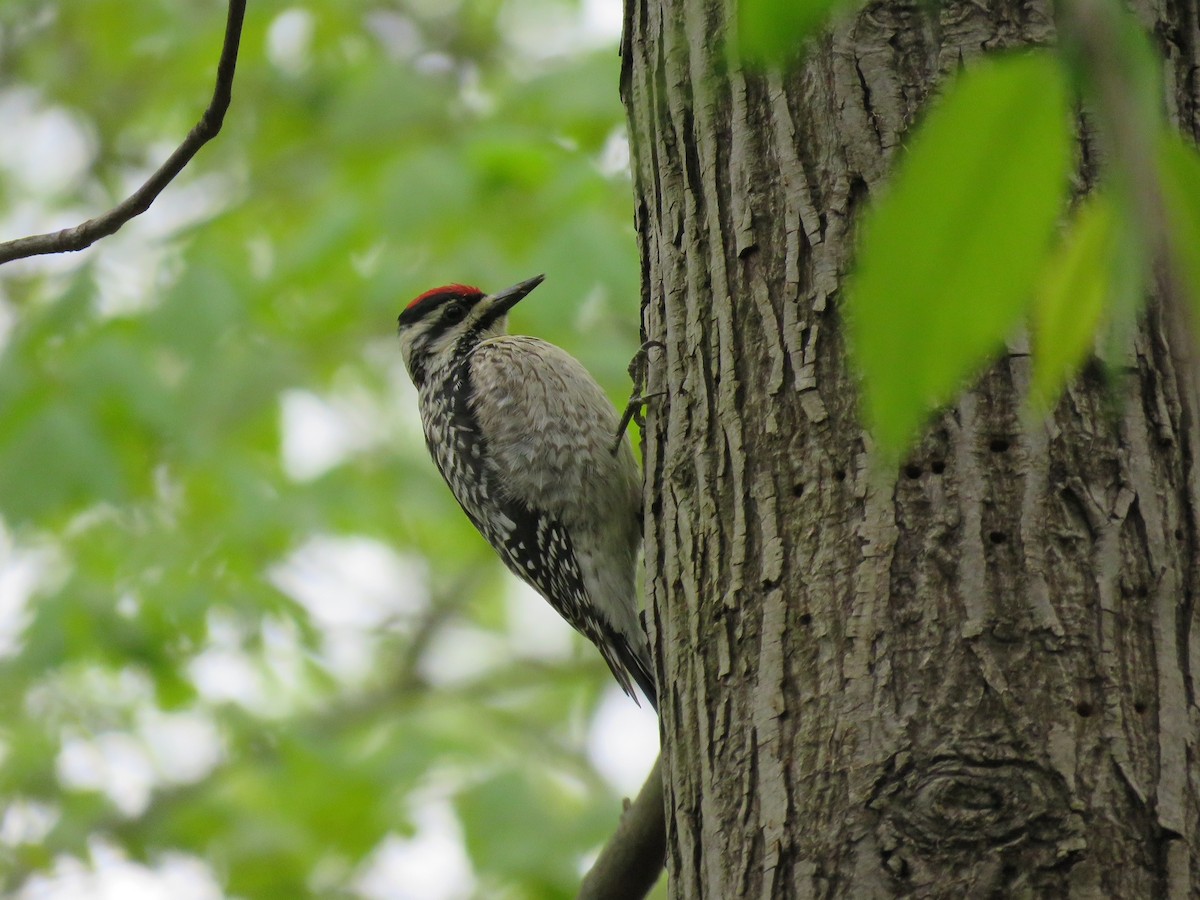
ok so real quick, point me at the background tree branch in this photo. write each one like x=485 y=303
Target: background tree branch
x=632 y=861
x=87 y=233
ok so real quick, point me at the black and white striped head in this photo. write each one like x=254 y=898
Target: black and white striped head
x=450 y=320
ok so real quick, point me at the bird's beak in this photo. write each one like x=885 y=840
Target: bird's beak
x=507 y=299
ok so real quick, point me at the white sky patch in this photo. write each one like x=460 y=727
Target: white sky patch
x=460 y=654
x=47 y=150
x=614 y=157
x=541 y=31
x=397 y=34
x=273 y=684
x=472 y=95
x=366 y=262
x=602 y=19
x=316 y=435
x=110 y=876
x=23 y=570
x=170 y=748
x=223 y=672
x=289 y=40
x=112 y=762
x=126 y=279
x=227 y=676
x=125 y=688
x=26 y=822
x=594 y=310
x=353 y=587
x=128 y=606
x=353 y=582
x=320 y=433
x=260 y=248
x=431 y=865
x=535 y=630
x=183 y=746
x=434 y=64
x=623 y=741
x=284 y=664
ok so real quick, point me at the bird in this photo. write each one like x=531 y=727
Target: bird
x=523 y=436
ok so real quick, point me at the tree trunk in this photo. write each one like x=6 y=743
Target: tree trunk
x=976 y=679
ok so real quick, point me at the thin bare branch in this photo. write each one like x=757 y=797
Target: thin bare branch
x=632 y=861
x=87 y=233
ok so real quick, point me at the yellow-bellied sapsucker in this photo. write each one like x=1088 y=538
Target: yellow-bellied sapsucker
x=523 y=436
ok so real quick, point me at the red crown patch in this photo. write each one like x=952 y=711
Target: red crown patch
x=462 y=290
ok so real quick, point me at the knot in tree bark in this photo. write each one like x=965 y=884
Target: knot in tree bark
x=988 y=817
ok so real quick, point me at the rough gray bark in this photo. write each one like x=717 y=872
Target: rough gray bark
x=976 y=680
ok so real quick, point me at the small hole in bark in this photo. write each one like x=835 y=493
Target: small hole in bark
x=797 y=490
x=1143 y=592
x=1139 y=705
x=840 y=475
x=912 y=471
x=937 y=467
x=1179 y=534
x=1083 y=709
x=998 y=537
x=805 y=619
x=999 y=445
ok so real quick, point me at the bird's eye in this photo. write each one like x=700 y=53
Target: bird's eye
x=454 y=313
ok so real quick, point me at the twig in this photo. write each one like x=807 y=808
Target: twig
x=632 y=861
x=87 y=233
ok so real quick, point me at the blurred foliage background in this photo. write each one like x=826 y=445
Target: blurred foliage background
x=249 y=646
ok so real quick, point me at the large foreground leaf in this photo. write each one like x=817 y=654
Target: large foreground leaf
x=950 y=254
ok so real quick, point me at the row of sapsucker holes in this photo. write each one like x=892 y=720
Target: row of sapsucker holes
x=913 y=471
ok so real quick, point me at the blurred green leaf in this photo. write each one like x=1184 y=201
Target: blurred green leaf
x=494 y=811
x=770 y=32
x=950 y=252
x=1179 y=171
x=1071 y=297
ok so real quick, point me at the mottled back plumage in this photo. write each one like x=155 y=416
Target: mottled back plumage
x=522 y=434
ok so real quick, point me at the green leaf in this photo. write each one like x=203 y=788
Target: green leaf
x=548 y=867
x=1179 y=169
x=771 y=31
x=949 y=255
x=1071 y=297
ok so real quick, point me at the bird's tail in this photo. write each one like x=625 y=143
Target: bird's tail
x=631 y=665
